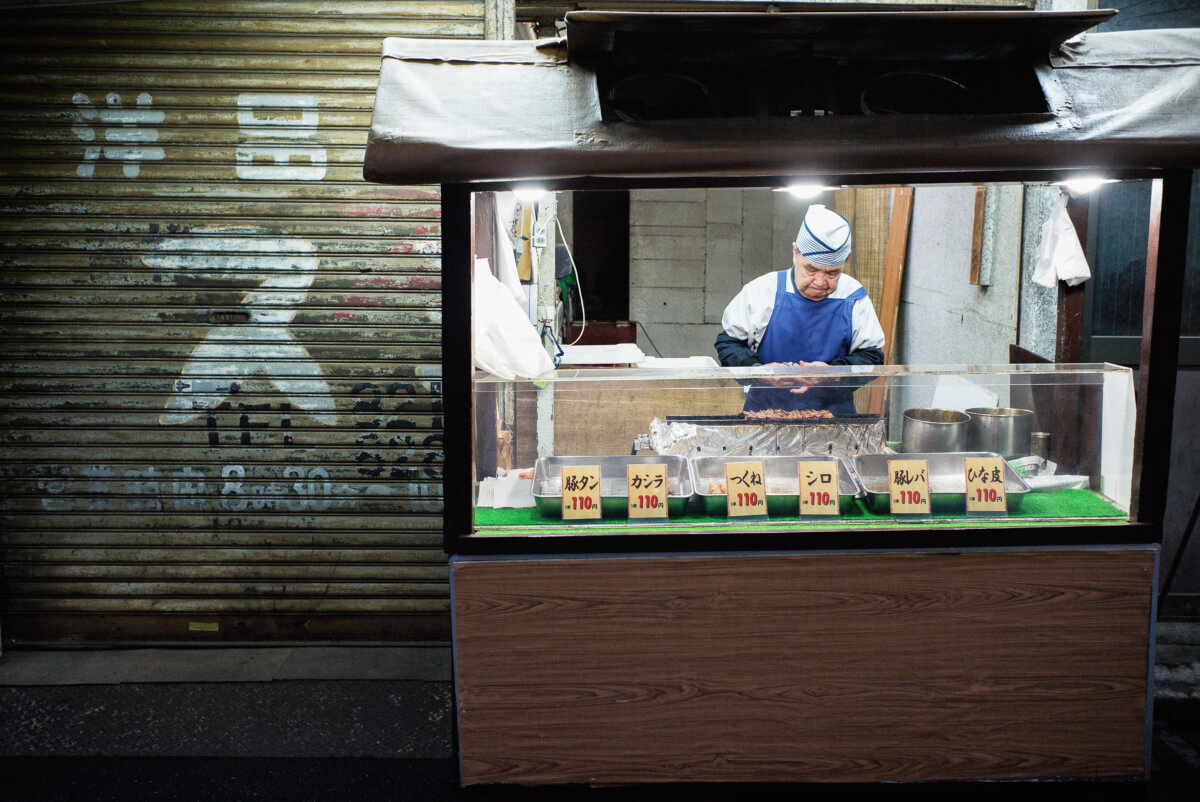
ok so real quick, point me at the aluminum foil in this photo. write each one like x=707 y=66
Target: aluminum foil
x=814 y=439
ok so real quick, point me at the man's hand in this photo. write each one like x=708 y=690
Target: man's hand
x=780 y=381
x=807 y=381
x=797 y=384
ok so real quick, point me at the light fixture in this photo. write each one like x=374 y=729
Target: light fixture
x=1084 y=184
x=805 y=190
x=529 y=194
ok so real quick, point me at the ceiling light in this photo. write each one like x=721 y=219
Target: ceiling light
x=1085 y=184
x=529 y=194
x=806 y=191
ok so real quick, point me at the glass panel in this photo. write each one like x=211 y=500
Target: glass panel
x=655 y=389
x=1064 y=433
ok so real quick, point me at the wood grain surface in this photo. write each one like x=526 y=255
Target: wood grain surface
x=815 y=667
x=627 y=413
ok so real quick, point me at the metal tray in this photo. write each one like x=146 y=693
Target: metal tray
x=783 y=483
x=947 y=485
x=614 y=488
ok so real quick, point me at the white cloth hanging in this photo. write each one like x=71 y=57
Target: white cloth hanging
x=506 y=343
x=1060 y=256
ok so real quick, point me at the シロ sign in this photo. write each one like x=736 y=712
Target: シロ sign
x=818 y=487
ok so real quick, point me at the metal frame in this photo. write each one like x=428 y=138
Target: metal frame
x=1155 y=398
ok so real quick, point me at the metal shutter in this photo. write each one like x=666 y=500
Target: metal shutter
x=220 y=378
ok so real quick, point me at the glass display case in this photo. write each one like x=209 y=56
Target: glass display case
x=1056 y=441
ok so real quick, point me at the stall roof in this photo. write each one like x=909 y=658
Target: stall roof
x=880 y=33
x=664 y=96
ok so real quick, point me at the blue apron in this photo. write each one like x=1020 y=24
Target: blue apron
x=801 y=330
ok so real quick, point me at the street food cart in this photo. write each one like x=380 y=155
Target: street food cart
x=717 y=628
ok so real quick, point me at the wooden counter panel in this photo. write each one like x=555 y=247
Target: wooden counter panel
x=627 y=413
x=820 y=667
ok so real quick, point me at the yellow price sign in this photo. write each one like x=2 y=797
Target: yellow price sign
x=580 y=492
x=985 y=485
x=818 y=487
x=745 y=489
x=909 y=482
x=647 y=491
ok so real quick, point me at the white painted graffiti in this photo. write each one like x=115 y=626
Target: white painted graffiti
x=274 y=133
x=311 y=490
x=128 y=141
x=286 y=267
x=146 y=488
x=151 y=488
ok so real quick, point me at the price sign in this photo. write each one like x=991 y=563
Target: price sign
x=985 y=486
x=909 y=481
x=647 y=491
x=580 y=492
x=745 y=490
x=818 y=487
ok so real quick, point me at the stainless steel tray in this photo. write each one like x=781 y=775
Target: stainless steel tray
x=614 y=487
x=783 y=483
x=947 y=485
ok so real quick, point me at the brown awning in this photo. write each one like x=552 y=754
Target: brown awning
x=456 y=111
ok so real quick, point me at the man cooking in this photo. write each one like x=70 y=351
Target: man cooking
x=809 y=315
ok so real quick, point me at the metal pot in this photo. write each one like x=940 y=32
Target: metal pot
x=934 y=430
x=1004 y=431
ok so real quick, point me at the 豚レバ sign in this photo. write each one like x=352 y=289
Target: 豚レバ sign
x=909 y=483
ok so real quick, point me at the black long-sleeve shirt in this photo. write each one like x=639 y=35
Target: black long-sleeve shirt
x=735 y=353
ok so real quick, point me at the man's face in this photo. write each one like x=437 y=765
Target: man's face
x=815 y=282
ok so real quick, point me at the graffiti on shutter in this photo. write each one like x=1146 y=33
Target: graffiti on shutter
x=291 y=118
x=230 y=354
x=125 y=147
x=221 y=347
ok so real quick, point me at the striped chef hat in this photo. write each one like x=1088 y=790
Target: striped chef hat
x=824 y=237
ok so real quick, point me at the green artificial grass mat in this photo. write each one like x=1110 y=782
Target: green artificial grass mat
x=1061 y=507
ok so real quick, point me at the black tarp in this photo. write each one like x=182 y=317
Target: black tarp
x=471 y=111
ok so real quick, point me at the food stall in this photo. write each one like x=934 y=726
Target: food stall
x=928 y=589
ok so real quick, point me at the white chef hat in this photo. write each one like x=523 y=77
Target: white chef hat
x=824 y=237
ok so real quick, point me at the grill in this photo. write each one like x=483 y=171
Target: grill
x=733 y=435
x=738 y=420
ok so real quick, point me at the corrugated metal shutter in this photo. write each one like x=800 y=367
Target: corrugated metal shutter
x=221 y=370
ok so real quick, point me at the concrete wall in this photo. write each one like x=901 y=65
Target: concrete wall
x=692 y=250
x=944 y=318
x=1039 y=305
x=667 y=271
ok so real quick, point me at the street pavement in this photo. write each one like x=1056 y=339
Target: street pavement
x=371 y=724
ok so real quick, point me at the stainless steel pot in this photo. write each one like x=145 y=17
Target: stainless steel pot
x=1007 y=432
x=934 y=430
